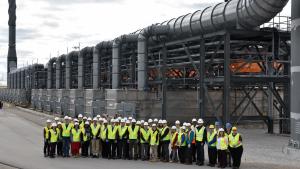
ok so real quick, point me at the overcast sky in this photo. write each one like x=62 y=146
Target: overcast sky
x=49 y=27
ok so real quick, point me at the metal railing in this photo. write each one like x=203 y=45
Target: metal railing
x=281 y=23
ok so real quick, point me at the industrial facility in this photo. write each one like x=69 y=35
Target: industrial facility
x=230 y=62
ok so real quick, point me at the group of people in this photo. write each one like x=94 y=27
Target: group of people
x=152 y=140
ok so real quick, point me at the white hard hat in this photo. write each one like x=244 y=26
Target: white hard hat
x=112 y=120
x=183 y=127
x=86 y=122
x=89 y=119
x=146 y=124
x=98 y=116
x=105 y=121
x=138 y=122
x=133 y=121
x=58 y=122
x=76 y=124
x=200 y=121
x=194 y=120
x=119 y=118
x=155 y=120
x=53 y=125
x=159 y=121
x=127 y=122
x=66 y=117
x=142 y=121
x=173 y=127
x=130 y=118
x=80 y=115
x=184 y=124
x=125 y=118
x=48 y=121
x=188 y=124
x=56 y=118
x=150 y=121
x=221 y=129
x=177 y=122
x=100 y=119
x=153 y=125
x=70 y=118
x=164 y=121
x=76 y=120
x=95 y=119
x=122 y=120
x=84 y=117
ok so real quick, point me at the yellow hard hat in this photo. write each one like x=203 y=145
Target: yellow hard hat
x=211 y=126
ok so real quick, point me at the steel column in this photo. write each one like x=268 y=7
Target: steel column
x=226 y=87
x=201 y=90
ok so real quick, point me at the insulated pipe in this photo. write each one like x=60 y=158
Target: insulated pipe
x=81 y=56
x=142 y=50
x=295 y=74
x=22 y=78
x=98 y=50
x=49 y=73
x=58 y=73
x=243 y=14
x=18 y=78
x=116 y=54
x=68 y=67
x=12 y=54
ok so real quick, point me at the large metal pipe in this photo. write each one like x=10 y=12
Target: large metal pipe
x=295 y=75
x=116 y=55
x=12 y=54
x=58 y=72
x=49 y=73
x=81 y=59
x=98 y=50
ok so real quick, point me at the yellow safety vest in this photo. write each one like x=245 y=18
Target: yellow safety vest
x=167 y=137
x=222 y=143
x=153 y=140
x=234 y=141
x=210 y=137
x=54 y=135
x=179 y=139
x=66 y=130
x=46 y=129
x=103 y=131
x=122 y=131
x=81 y=124
x=133 y=134
x=199 y=134
x=145 y=135
x=95 y=129
x=76 y=135
x=85 y=137
x=111 y=132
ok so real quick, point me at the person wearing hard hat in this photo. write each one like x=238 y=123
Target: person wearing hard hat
x=181 y=143
x=56 y=119
x=236 y=148
x=53 y=135
x=177 y=124
x=159 y=147
x=154 y=141
x=201 y=136
x=189 y=141
x=211 y=144
x=139 y=124
x=144 y=140
x=76 y=137
x=86 y=136
x=112 y=139
x=103 y=135
x=150 y=122
x=80 y=120
x=155 y=121
x=59 y=141
x=66 y=135
x=222 y=146
x=125 y=140
x=46 y=138
x=193 y=145
x=121 y=132
x=174 y=137
x=133 y=140
x=218 y=125
x=95 y=131
x=165 y=141
x=228 y=127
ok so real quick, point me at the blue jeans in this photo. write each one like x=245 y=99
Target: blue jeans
x=66 y=146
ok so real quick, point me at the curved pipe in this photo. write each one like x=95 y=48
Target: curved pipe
x=49 y=72
x=116 y=54
x=99 y=48
x=58 y=74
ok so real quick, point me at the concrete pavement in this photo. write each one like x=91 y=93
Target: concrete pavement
x=21 y=146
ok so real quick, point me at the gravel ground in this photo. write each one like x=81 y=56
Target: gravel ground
x=24 y=150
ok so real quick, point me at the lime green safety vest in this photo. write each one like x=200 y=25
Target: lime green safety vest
x=167 y=137
x=85 y=137
x=103 y=131
x=179 y=139
x=66 y=130
x=46 y=132
x=210 y=137
x=199 y=134
x=133 y=134
x=153 y=140
x=76 y=135
x=122 y=131
x=145 y=135
x=95 y=129
x=111 y=135
x=222 y=143
x=54 y=135
x=234 y=141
